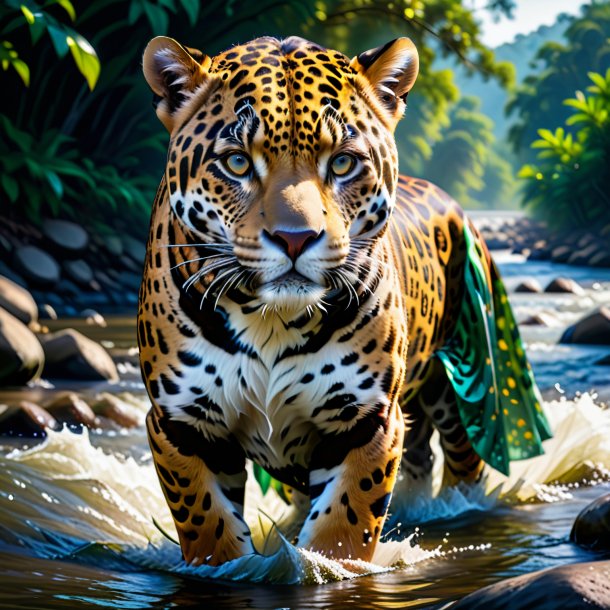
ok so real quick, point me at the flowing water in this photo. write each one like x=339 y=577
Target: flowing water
x=83 y=522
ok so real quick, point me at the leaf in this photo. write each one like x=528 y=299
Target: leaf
x=23 y=70
x=10 y=186
x=85 y=58
x=135 y=12
x=67 y=6
x=27 y=13
x=191 y=8
x=157 y=18
x=55 y=181
x=59 y=40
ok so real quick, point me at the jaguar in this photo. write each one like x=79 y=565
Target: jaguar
x=305 y=307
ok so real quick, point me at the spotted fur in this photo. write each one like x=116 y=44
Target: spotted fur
x=291 y=315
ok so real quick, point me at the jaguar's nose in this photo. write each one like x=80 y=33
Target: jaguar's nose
x=293 y=242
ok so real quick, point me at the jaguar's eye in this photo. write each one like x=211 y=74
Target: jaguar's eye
x=342 y=165
x=238 y=164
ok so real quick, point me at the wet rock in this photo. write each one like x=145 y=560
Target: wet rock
x=600 y=258
x=583 y=255
x=71 y=355
x=573 y=586
x=114 y=245
x=21 y=355
x=129 y=279
x=529 y=285
x=93 y=318
x=47 y=311
x=498 y=241
x=592 y=526
x=134 y=248
x=17 y=301
x=564 y=285
x=70 y=409
x=68 y=288
x=78 y=271
x=603 y=361
x=593 y=329
x=12 y=275
x=561 y=254
x=113 y=408
x=540 y=319
x=66 y=237
x=26 y=419
x=37 y=266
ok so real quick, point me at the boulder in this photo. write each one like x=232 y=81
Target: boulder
x=529 y=285
x=601 y=258
x=17 y=301
x=93 y=318
x=66 y=237
x=497 y=241
x=583 y=255
x=37 y=266
x=12 y=275
x=134 y=248
x=113 y=408
x=564 y=285
x=47 y=312
x=572 y=586
x=21 y=355
x=70 y=409
x=540 y=319
x=71 y=355
x=593 y=329
x=26 y=419
x=561 y=254
x=78 y=271
x=592 y=526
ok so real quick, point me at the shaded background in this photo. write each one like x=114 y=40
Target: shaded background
x=79 y=139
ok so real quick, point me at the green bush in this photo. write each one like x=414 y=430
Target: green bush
x=570 y=184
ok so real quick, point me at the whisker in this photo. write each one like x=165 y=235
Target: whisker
x=194 y=260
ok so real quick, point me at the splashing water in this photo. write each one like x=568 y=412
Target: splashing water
x=72 y=498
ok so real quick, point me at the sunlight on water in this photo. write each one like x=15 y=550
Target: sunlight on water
x=69 y=498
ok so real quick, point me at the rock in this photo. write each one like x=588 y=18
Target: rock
x=593 y=329
x=47 y=312
x=529 y=285
x=93 y=318
x=561 y=254
x=79 y=271
x=71 y=355
x=538 y=254
x=67 y=287
x=21 y=355
x=128 y=279
x=498 y=241
x=114 y=245
x=540 y=319
x=70 y=409
x=592 y=526
x=17 y=301
x=603 y=361
x=66 y=237
x=583 y=255
x=26 y=419
x=37 y=266
x=571 y=587
x=564 y=285
x=134 y=248
x=113 y=408
x=12 y=275
x=600 y=259
x=585 y=240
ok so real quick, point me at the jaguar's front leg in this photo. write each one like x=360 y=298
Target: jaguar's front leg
x=351 y=481
x=203 y=482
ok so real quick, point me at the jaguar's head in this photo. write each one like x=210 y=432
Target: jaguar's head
x=282 y=154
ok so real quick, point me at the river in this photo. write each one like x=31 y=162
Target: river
x=76 y=511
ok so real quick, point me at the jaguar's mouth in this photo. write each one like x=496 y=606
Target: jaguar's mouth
x=292 y=292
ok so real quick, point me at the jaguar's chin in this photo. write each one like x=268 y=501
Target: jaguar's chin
x=291 y=293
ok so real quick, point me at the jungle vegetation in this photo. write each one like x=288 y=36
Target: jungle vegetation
x=79 y=137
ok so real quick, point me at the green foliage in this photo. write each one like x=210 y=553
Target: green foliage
x=64 y=38
x=562 y=70
x=464 y=163
x=570 y=184
x=92 y=147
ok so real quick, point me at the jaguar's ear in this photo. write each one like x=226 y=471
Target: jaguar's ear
x=391 y=70
x=173 y=73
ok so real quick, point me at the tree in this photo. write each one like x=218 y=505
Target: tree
x=563 y=71
x=570 y=184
